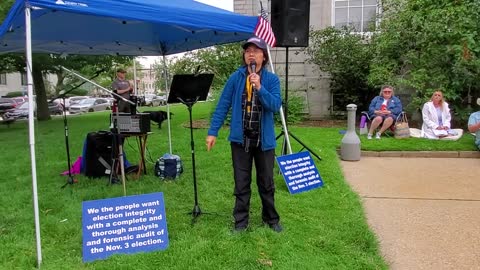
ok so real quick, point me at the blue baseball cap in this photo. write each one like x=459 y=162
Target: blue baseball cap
x=260 y=43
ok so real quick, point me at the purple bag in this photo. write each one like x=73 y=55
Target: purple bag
x=76 y=167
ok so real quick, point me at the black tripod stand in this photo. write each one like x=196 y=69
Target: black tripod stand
x=282 y=133
x=115 y=155
x=70 y=179
x=188 y=89
x=120 y=146
x=196 y=208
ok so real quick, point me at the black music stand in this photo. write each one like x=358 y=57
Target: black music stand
x=188 y=89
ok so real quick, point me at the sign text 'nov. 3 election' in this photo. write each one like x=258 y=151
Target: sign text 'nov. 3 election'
x=299 y=172
x=123 y=225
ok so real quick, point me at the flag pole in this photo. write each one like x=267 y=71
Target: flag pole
x=263 y=14
x=282 y=116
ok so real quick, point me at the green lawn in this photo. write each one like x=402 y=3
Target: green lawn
x=465 y=143
x=324 y=228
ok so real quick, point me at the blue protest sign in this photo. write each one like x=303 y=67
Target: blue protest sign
x=123 y=225
x=299 y=172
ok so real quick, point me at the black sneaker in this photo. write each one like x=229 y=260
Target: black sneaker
x=238 y=229
x=276 y=227
x=115 y=180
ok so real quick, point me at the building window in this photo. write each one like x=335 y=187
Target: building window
x=24 y=78
x=359 y=14
x=3 y=78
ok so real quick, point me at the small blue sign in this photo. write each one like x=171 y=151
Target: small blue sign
x=123 y=225
x=299 y=172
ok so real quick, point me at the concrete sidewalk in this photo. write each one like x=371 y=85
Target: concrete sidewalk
x=424 y=211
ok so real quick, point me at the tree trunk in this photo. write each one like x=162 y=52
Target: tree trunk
x=42 y=106
x=60 y=80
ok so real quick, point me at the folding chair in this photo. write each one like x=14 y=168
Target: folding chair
x=365 y=120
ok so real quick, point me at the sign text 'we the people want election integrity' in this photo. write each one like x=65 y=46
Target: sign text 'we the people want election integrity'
x=299 y=172
x=123 y=225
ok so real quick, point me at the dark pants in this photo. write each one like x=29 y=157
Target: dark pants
x=242 y=173
x=123 y=106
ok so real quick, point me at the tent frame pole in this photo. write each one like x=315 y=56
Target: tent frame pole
x=168 y=105
x=31 y=130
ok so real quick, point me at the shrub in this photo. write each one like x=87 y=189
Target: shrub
x=15 y=94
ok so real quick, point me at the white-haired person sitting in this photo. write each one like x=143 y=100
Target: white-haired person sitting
x=383 y=111
x=437 y=119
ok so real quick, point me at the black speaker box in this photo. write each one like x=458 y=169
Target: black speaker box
x=291 y=22
x=98 y=154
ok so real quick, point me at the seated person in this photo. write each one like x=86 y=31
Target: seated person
x=436 y=118
x=383 y=110
x=474 y=125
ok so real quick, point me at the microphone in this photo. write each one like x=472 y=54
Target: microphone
x=253 y=68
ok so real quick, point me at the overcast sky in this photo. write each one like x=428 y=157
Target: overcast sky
x=224 y=4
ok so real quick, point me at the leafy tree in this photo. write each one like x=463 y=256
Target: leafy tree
x=45 y=63
x=88 y=65
x=220 y=60
x=162 y=70
x=5 y=7
x=49 y=63
x=346 y=56
x=425 y=45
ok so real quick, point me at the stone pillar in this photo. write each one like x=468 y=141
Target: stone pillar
x=350 y=149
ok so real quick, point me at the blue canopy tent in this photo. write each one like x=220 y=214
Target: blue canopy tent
x=122 y=27
x=117 y=27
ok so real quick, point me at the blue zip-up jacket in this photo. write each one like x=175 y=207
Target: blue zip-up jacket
x=394 y=105
x=231 y=98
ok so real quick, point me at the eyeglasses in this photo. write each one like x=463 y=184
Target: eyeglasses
x=252 y=50
x=387 y=91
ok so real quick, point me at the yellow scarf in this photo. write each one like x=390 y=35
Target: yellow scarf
x=249 y=94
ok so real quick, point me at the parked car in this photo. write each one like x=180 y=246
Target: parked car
x=60 y=100
x=140 y=101
x=70 y=100
x=21 y=111
x=152 y=100
x=90 y=105
x=7 y=104
x=20 y=100
x=55 y=108
x=74 y=100
x=110 y=100
x=163 y=99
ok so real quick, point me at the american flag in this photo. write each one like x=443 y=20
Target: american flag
x=264 y=30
